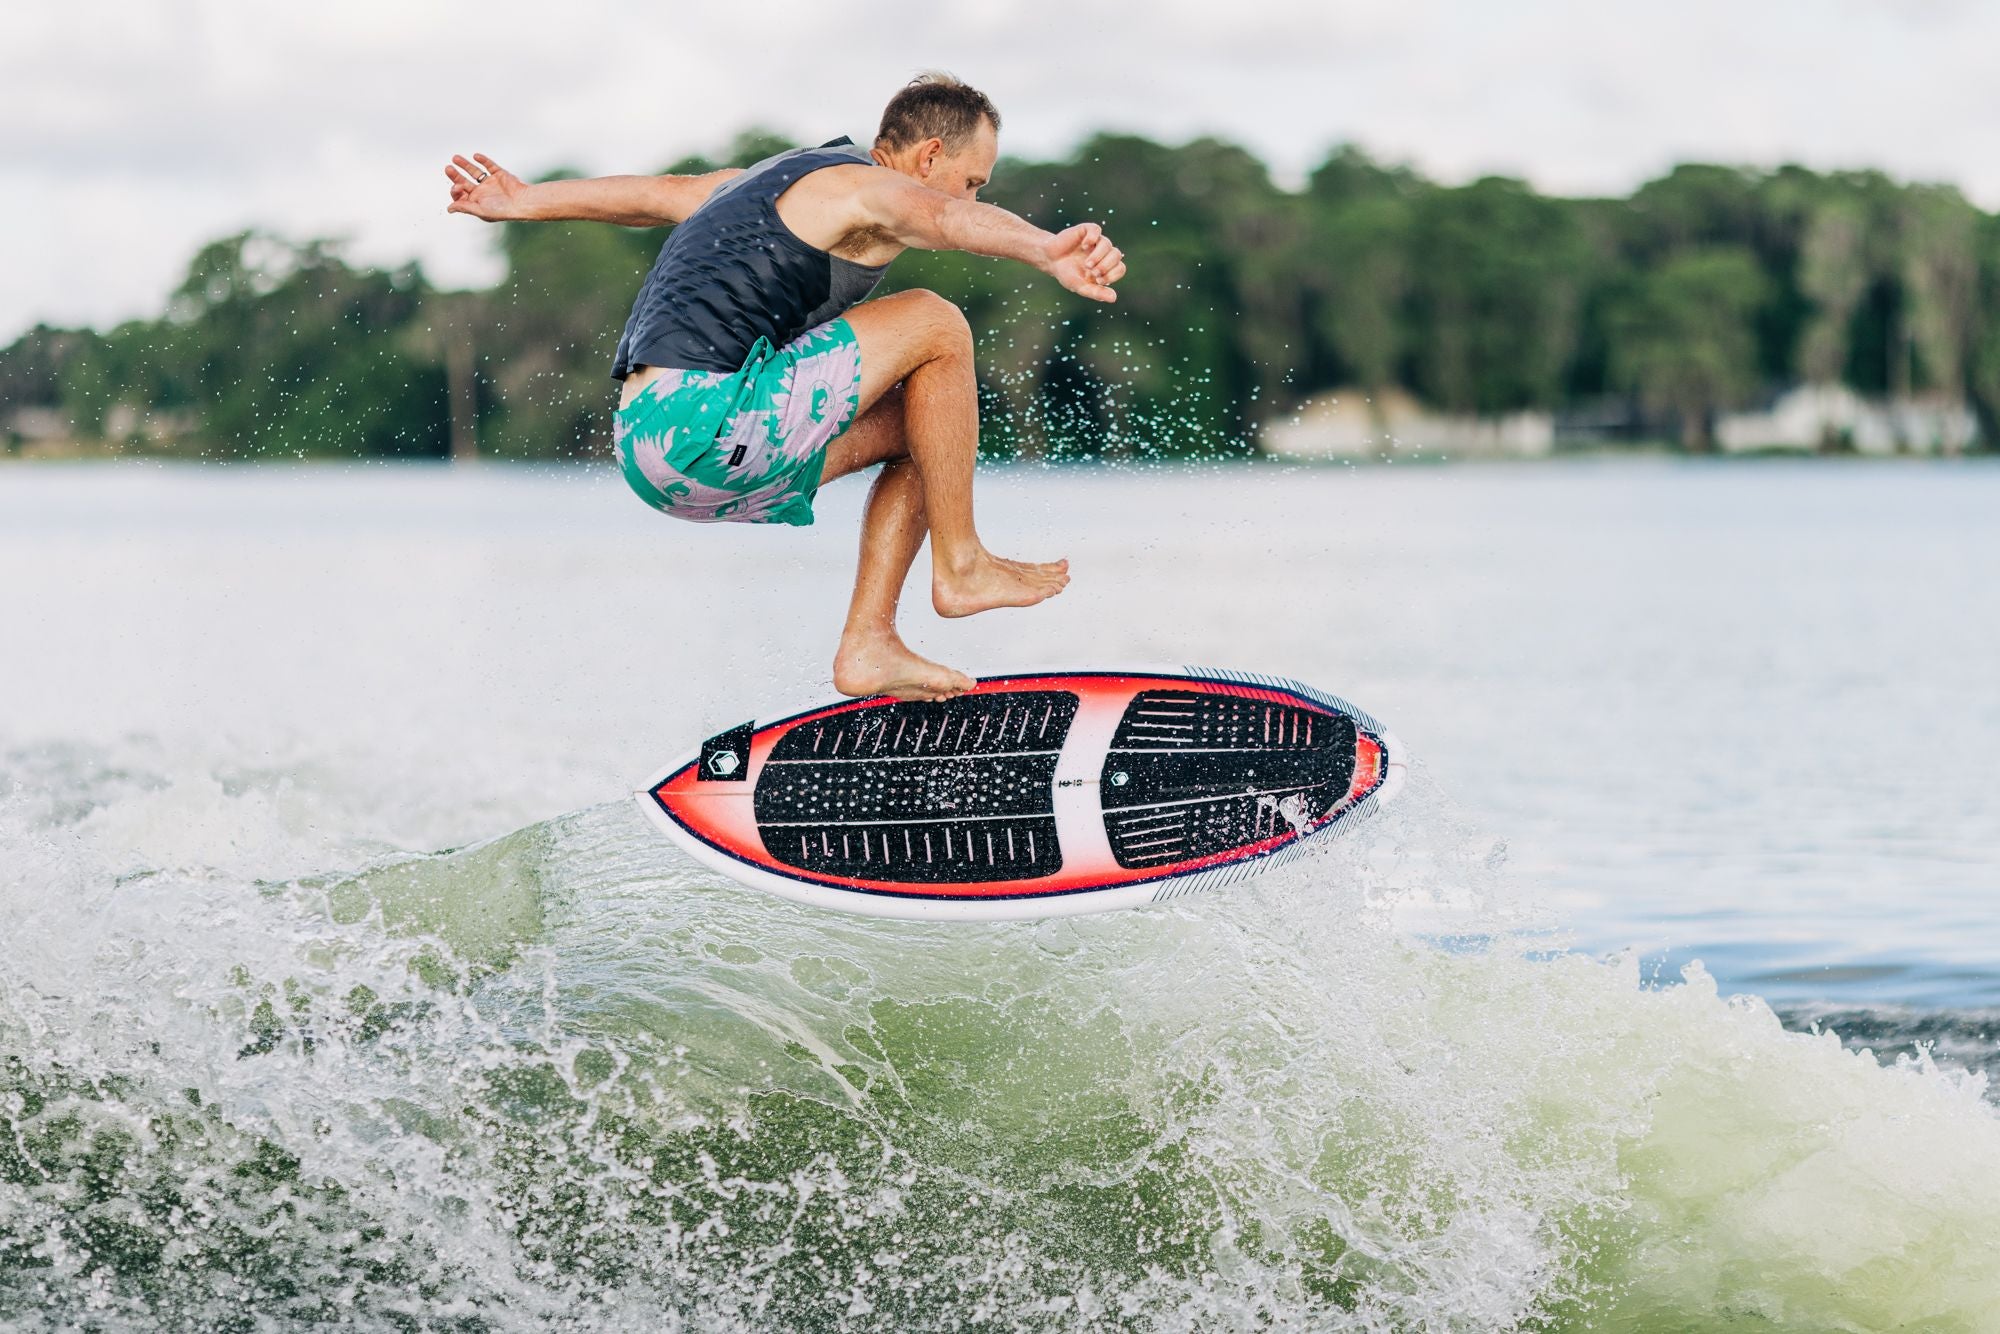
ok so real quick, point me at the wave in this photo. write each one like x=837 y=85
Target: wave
x=566 y=1079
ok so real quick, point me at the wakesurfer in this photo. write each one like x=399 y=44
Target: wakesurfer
x=755 y=369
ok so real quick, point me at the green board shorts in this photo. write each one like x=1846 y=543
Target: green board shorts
x=743 y=446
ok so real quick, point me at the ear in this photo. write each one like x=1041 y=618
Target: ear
x=928 y=152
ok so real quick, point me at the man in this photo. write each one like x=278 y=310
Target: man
x=755 y=371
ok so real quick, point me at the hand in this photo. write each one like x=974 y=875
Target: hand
x=1083 y=259
x=483 y=188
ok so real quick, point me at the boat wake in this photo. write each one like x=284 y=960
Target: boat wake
x=566 y=1079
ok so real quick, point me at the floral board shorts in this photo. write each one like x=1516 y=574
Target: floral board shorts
x=744 y=446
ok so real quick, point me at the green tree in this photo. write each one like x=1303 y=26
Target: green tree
x=1499 y=278
x=1983 y=355
x=1360 y=272
x=1835 y=270
x=289 y=350
x=1242 y=297
x=1940 y=274
x=1765 y=213
x=1208 y=324
x=549 y=333
x=1684 y=336
x=1698 y=204
x=1349 y=174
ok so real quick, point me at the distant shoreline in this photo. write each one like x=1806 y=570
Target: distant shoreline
x=1652 y=453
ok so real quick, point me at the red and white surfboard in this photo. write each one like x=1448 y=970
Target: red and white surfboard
x=1032 y=796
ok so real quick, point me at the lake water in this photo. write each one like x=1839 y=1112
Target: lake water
x=340 y=978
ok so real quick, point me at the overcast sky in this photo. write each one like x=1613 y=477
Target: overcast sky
x=133 y=130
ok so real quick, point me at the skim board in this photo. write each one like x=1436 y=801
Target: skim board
x=1031 y=796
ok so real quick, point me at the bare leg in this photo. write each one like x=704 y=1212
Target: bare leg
x=873 y=659
x=920 y=341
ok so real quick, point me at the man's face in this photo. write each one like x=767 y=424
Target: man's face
x=960 y=174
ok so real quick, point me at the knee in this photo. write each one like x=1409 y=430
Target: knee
x=944 y=323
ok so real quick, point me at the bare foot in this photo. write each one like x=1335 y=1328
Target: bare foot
x=885 y=665
x=986 y=581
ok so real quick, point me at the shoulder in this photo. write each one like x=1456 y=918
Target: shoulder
x=852 y=177
x=859 y=192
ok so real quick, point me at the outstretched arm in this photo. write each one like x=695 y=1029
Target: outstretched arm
x=1081 y=258
x=485 y=189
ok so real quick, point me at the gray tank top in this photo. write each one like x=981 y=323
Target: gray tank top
x=733 y=272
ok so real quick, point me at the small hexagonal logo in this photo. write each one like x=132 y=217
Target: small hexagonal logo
x=1120 y=779
x=725 y=757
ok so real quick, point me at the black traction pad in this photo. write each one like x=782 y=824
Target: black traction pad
x=1192 y=774
x=957 y=791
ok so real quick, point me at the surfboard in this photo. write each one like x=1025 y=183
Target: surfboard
x=1031 y=796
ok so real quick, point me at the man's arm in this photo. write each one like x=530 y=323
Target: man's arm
x=485 y=189
x=1081 y=258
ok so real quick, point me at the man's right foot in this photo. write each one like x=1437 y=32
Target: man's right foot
x=987 y=581
x=885 y=665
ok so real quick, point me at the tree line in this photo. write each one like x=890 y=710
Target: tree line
x=1691 y=296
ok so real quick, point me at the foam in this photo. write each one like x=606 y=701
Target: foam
x=566 y=1077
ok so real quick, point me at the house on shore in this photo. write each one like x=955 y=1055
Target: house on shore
x=46 y=432
x=1810 y=419
x=1831 y=417
x=1390 y=423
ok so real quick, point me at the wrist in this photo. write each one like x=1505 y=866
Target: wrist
x=1042 y=258
x=524 y=205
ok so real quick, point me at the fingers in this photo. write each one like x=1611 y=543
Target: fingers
x=1103 y=263
x=1108 y=273
x=467 y=175
x=1088 y=287
x=1098 y=263
x=471 y=172
x=1077 y=241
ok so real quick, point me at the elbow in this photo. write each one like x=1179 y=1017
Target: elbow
x=937 y=225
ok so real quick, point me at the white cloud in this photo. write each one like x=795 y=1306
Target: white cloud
x=132 y=132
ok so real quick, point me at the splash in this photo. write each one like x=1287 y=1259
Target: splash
x=565 y=1079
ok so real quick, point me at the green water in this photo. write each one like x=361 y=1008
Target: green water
x=564 y=1080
